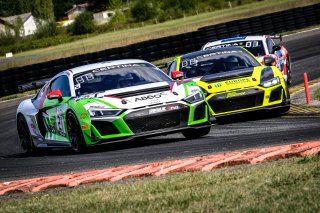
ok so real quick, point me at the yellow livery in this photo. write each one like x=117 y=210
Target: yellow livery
x=233 y=80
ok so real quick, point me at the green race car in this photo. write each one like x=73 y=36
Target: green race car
x=109 y=102
x=233 y=80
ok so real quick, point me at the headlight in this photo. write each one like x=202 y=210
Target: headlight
x=104 y=112
x=271 y=82
x=194 y=98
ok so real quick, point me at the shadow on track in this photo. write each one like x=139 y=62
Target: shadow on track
x=141 y=142
x=249 y=116
x=134 y=143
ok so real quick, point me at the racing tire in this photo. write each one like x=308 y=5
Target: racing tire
x=289 y=77
x=75 y=133
x=283 y=109
x=196 y=133
x=25 y=137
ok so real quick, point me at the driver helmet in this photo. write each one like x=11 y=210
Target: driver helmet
x=126 y=81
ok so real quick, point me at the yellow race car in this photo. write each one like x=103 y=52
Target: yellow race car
x=233 y=80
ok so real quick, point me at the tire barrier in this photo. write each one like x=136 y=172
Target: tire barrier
x=160 y=48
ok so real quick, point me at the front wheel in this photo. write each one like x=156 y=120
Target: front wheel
x=25 y=136
x=75 y=133
x=196 y=133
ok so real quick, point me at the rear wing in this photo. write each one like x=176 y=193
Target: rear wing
x=277 y=37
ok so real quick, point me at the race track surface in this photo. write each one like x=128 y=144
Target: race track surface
x=240 y=132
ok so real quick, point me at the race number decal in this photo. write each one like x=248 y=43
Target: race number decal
x=84 y=78
x=60 y=123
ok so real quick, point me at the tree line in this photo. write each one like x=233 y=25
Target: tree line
x=128 y=14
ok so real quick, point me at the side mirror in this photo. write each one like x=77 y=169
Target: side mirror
x=56 y=94
x=176 y=75
x=269 y=61
x=276 y=48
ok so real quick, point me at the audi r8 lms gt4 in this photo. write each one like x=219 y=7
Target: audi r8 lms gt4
x=259 y=46
x=108 y=102
x=233 y=80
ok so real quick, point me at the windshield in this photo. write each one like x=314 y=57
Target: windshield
x=255 y=47
x=117 y=76
x=212 y=62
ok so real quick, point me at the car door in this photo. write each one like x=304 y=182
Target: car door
x=54 y=109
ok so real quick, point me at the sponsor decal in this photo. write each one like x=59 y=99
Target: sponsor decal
x=164 y=109
x=218 y=85
x=101 y=69
x=157 y=110
x=83 y=116
x=60 y=122
x=99 y=107
x=173 y=107
x=51 y=128
x=77 y=86
x=235 y=94
x=247 y=44
x=194 y=61
x=237 y=81
x=149 y=97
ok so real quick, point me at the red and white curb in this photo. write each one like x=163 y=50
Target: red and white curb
x=203 y=163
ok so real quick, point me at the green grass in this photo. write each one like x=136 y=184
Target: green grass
x=316 y=95
x=18 y=95
x=103 y=41
x=284 y=186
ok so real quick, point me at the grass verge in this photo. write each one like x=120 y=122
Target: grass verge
x=124 y=37
x=284 y=186
x=316 y=95
x=18 y=95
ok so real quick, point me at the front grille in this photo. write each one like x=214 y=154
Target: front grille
x=105 y=127
x=200 y=112
x=147 y=123
x=254 y=98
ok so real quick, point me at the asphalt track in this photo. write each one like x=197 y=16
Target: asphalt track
x=237 y=133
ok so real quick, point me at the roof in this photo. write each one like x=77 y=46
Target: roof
x=235 y=39
x=12 y=19
x=84 y=68
x=79 y=6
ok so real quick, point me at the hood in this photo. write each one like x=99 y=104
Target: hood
x=216 y=83
x=139 y=96
x=217 y=77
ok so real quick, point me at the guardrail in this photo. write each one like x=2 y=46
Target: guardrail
x=22 y=77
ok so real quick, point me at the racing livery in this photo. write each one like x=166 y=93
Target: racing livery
x=108 y=102
x=259 y=46
x=233 y=80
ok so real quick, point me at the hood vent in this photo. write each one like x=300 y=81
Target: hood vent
x=142 y=92
x=227 y=75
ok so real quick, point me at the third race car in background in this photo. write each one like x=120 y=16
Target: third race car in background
x=260 y=46
x=233 y=80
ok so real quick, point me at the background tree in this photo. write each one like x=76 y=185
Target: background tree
x=83 y=24
x=115 y=4
x=17 y=27
x=14 y=7
x=143 y=10
x=43 y=9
